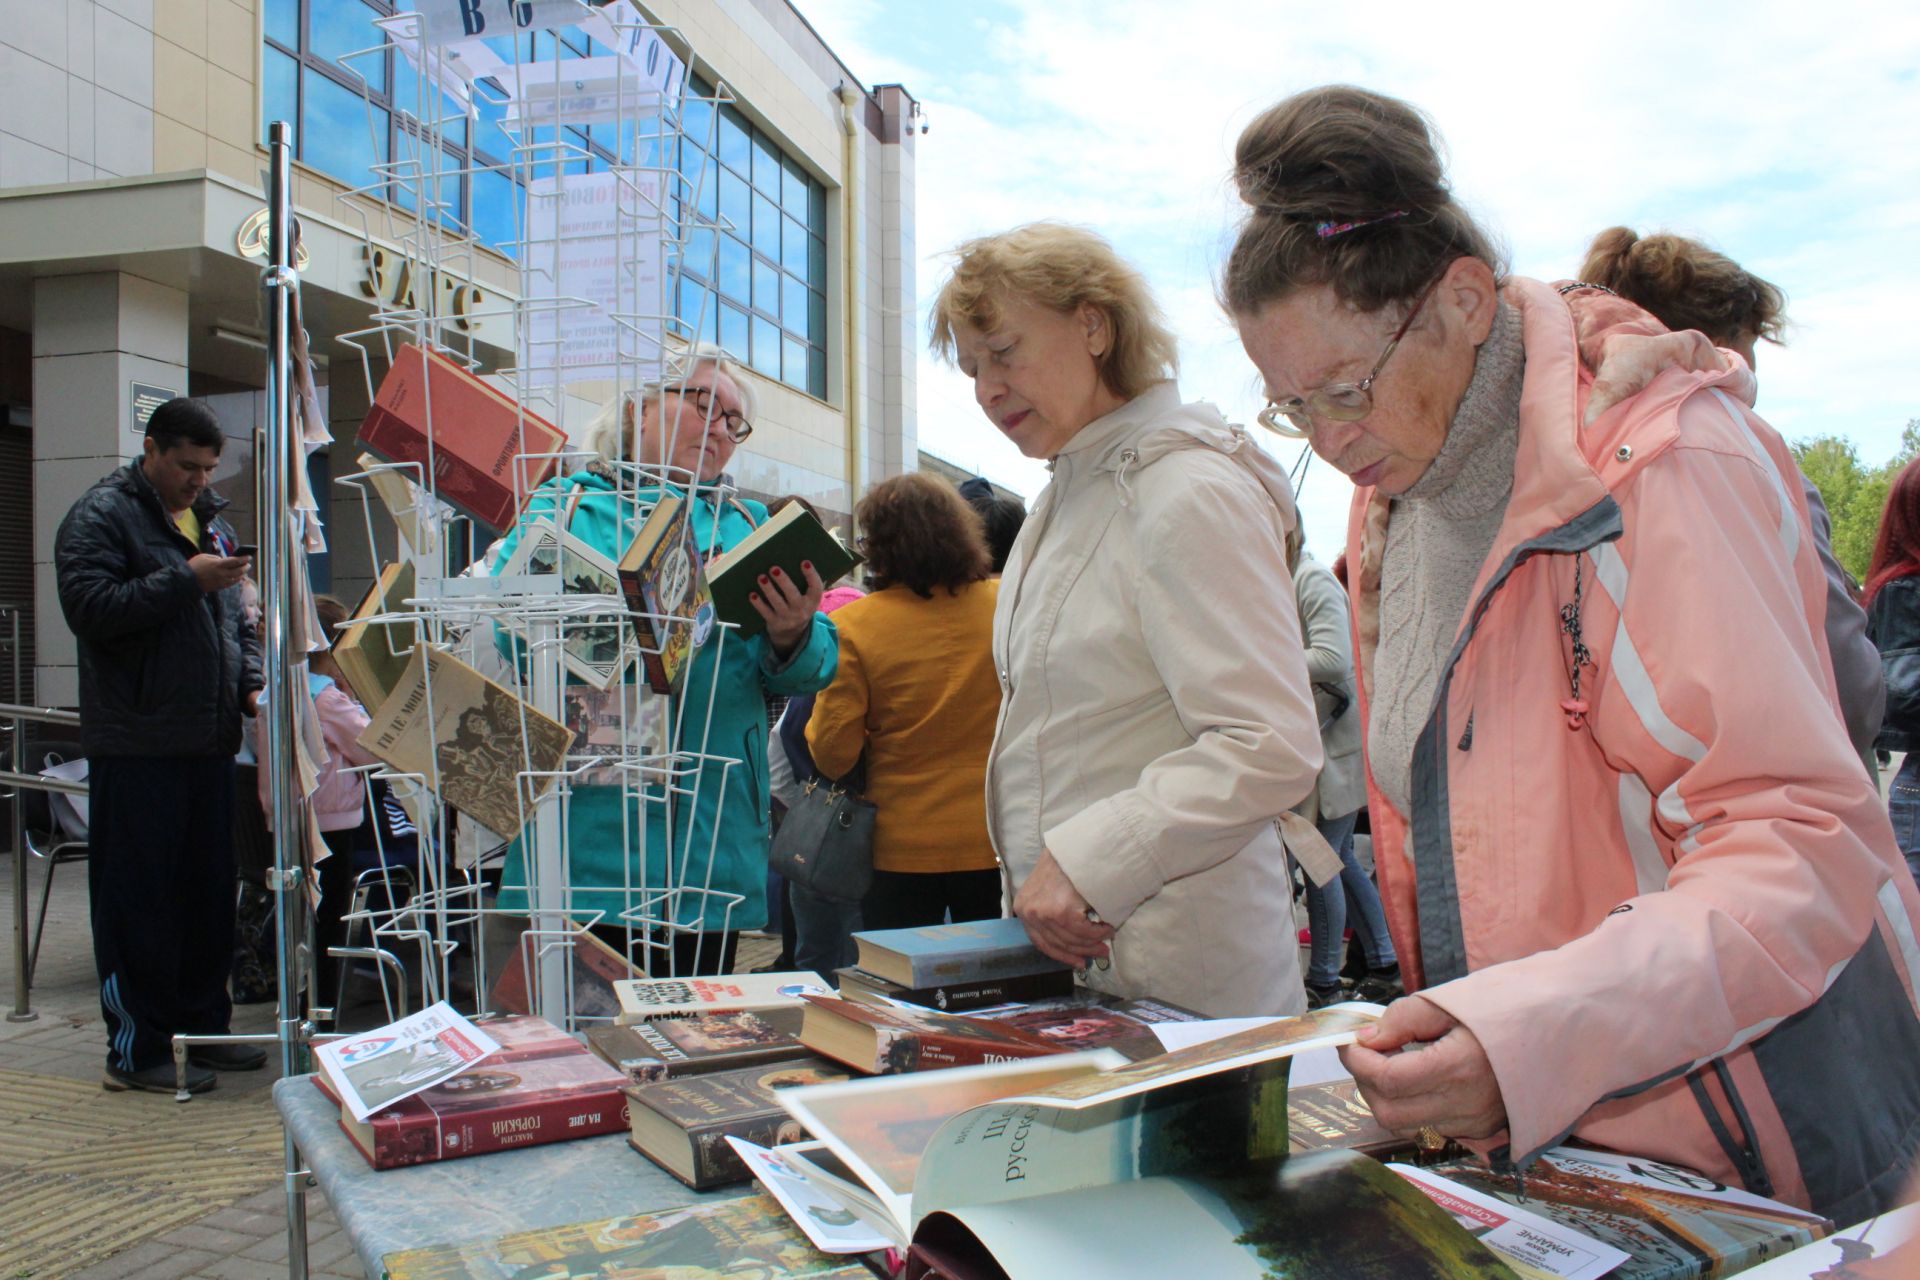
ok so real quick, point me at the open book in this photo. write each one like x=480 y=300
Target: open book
x=1025 y=1160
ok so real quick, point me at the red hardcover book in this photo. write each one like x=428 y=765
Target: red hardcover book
x=543 y=1086
x=477 y=434
x=883 y=1039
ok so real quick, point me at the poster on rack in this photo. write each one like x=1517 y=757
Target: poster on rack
x=593 y=239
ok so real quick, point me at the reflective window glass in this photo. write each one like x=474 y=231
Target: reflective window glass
x=793 y=246
x=735 y=148
x=733 y=332
x=736 y=203
x=283 y=22
x=279 y=93
x=766 y=347
x=495 y=197
x=817 y=372
x=766 y=166
x=736 y=270
x=766 y=226
x=794 y=184
x=338 y=29
x=817 y=317
x=793 y=304
x=793 y=362
x=766 y=287
x=338 y=131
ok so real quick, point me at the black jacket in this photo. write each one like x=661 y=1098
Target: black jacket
x=164 y=666
x=1893 y=623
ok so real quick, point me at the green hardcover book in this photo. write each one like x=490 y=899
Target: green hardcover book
x=786 y=540
x=373 y=656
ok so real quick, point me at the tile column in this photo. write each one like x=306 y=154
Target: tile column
x=95 y=337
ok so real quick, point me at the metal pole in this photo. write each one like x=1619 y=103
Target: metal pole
x=279 y=281
x=22 y=983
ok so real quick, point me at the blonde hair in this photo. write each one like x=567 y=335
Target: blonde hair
x=1060 y=267
x=611 y=431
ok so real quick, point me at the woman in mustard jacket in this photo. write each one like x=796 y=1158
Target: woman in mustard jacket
x=916 y=691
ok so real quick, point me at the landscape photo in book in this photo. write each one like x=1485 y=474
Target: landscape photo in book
x=596 y=648
x=749 y=1238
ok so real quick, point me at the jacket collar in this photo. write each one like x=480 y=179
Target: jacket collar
x=1100 y=441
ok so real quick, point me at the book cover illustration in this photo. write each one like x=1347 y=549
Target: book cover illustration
x=1675 y=1223
x=667 y=591
x=643 y=999
x=1537 y=1248
x=1333 y=1114
x=831 y=1226
x=1885 y=1247
x=596 y=648
x=888 y=1038
x=483 y=451
x=463 y=734
x=592 y=969
x=749 y=1238
x=684 y=1124
x=627 y=730
x=1086 y=1024
x=664 y=1048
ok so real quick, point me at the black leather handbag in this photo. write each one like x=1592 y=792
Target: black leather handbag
x=825 y=843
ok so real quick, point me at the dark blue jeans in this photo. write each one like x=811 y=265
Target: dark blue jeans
x=1903 y=806
x=1328 y=912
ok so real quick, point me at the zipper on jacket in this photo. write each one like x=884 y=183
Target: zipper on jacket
x=1744 y=1151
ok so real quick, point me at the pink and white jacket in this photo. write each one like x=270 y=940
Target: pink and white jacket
x=1681 y=928
x=340 y=801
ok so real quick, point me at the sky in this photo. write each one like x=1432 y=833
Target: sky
x=1786 y=135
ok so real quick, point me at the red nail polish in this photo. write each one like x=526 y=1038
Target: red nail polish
x=806 y=565
x=778 y=573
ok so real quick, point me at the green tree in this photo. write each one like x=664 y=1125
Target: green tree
x=1855 y=494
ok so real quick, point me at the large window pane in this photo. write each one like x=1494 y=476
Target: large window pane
x=283 y=22
x=817 y=263
x=793 y=362
x=817 y=210
x=736 y=271
x=489 y=134
x=340 y=27
x=334 y=131
x=793 y=246
x=793 y=188
x=696 y=114
x=766 y=226
x=766 y=166
x=735 y=149
x=701 y=245
x=736 y=203
x=766 y=287
x=733 y=332
x=494 y=199
x=279 y=93
x=407 y=99
x=793 y=304
x=766 y=347
x=698 y=310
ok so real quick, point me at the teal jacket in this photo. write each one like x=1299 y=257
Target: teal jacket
x=723 y=807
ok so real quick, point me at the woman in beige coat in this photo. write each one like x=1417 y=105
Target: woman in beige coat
x=1156 y=718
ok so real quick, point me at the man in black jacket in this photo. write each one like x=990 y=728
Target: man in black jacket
x=169 y=664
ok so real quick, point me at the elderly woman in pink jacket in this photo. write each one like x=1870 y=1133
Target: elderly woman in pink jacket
x=1634 y=871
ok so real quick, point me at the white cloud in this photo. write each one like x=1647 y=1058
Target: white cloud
x=1784 y=136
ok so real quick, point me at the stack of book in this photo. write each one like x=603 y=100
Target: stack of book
x=953 y=967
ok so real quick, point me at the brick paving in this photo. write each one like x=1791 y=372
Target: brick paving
x=106 y=1186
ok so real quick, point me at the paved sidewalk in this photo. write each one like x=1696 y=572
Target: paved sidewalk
x=97 y=1185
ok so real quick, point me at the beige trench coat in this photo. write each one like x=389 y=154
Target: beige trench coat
x=1156 y=717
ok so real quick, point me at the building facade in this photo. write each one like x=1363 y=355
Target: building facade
x=131 y=179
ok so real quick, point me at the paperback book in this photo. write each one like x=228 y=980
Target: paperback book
x=591 y=967
x=949 y=954
x=623 y=735
x=1333 y=1115
x=645 y=998
x=667 y=591
x=373 y=655
x=595 y=647
x=669 y=1048
x=683 y=1125
x=379 y=1068
x=483 y=451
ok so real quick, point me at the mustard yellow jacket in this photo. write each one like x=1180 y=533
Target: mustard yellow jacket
x=916 y=688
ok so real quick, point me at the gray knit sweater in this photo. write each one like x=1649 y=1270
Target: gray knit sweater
x=1438 y=535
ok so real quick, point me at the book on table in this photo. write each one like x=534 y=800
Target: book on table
x=644 y=998
x=469 y=738
x=959 y=997
x=1091 y=1020
x=667 y=591
x=541 y=1085
x=699 y=1043
x=786 y=540
x=683 y=1125
x=483 y=451
x=947 y=954
x=591 y=967
x=882 y=1039
x=373 y=655
x=962 y=1139
x=737 y=1239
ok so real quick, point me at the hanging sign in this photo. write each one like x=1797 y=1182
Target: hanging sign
x=594 y=249
x=445 y=21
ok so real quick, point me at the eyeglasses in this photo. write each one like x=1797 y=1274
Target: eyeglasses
x=737 y=426
x=1337 y=401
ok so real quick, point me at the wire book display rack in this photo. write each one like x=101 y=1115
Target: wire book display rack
x=591 y=104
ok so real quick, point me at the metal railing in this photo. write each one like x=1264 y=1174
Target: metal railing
x=21 y=781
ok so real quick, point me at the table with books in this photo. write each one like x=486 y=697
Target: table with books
x=808 y=1134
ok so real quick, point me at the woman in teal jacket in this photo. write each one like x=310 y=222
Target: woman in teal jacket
x=692 y=427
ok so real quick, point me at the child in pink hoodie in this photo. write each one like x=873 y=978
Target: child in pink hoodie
x=340 y=801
